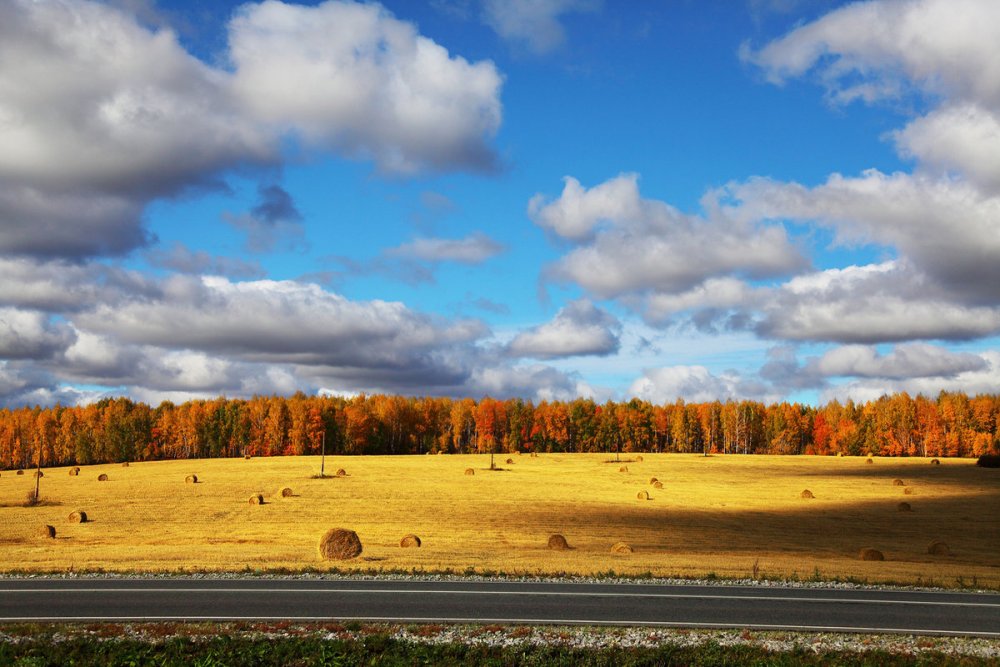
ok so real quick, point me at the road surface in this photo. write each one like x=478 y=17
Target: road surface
x=414 y=601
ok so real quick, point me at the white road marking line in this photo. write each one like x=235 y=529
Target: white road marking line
x=386 y=591
x=513 y=621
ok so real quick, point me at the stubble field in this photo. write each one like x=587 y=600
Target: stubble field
x=727 y=516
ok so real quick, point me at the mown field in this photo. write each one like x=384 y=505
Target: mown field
x=725 y=516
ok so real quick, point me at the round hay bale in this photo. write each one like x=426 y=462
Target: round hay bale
x=807 y=494
x=410 y=541
x=904 y=507
x=558 y=543
x=938 y=548
x=639 y=459
x=870 y=554
x=256 y=499
x=534 y=455
x=898 y=482
x=340 y=473
x=47 y=531
x=247 y=457
x=642 y=495
x=441 y=453
x=935 y=462
x=657 y=485
x=285 y=492
x=340 y=544
x=623 y=469
x=869 y=461
x=39 y=473
x=621 y=548
x=470 y=471
x=510 y=461
x=125 y=465
x=908 y=491
x=74 y=472
x=20 y=472
x=103 y=477
x=653 y=480
x=79 y=516
x=191 y=479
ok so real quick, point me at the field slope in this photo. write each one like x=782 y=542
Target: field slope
x=718 y=515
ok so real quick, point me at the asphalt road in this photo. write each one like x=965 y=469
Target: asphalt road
x=95 y=600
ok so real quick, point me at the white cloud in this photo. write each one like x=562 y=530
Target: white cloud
x=534 y=23
x=30 y=334
x=578 y=329
x=578 y=210
x=473 y=249
x=886 y=302
x=352 y=78
x=946 y=228
x=872 y=50
x=695 y=384
x=100 y=115
x=962 y=138
x=983 y=380
x=632 y=247
x=905 y=361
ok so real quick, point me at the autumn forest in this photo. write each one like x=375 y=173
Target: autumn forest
x=118 y=429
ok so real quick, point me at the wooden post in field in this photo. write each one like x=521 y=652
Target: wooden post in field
x=38 y=473
x=322 y=460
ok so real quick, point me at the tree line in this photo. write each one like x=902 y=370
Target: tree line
x=119 y=429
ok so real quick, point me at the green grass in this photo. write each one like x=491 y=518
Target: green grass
x=383 y=649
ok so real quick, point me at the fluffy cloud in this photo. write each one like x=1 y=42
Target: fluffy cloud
x=633 y=247
x=30 y=334
x=534 y=23
x=100 y=115
x=66 y=287
x=578 y=329
x=695 y=384
x=280 y=322
x=959 y=138
x=473 y=249
x=871 y=50
x=947 y=229
x=364 y=83
x=984 y=379
x=910 y=360
x=886 y=302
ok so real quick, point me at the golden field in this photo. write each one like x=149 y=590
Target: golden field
x=717 y=514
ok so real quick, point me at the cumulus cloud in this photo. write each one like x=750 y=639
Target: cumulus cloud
x=947 y=229
x=66 y=287
x=961 y=138
x=100 y=115
x=278 y=321
x=30 y=334
x=909 y=360
x=578 y=329
x=473 y=249
x=534 y=23
x=984 y=379
x=366 y=84
x=886 y=302
x=872 y=50
x=696 y=384
x=630 y=247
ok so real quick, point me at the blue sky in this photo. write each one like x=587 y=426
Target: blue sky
x=769 y=199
